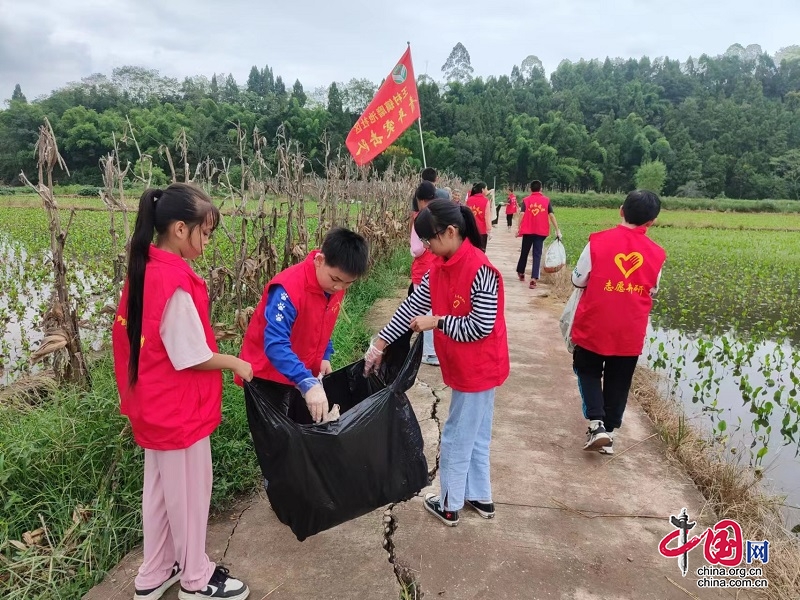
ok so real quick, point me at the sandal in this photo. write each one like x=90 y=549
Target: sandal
x=532 y=284
x=521 y=276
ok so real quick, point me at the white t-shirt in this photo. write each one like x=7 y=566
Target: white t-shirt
x=583 y=268
x=182 y=332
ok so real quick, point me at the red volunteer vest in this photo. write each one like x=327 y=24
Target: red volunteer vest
x=421 y=264
x=479 y=204
x=312 y=330
x=511 y=207
x=611 y=318
x=467 y=366
x=535 y=219
x=168 y=409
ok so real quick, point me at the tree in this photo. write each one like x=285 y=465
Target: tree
x=255 y=83
x=213 y=92
x=298 y=93
x=18 y=96
x=651 y=176
x=531 y=67
x=457 y=67
x=230 y=93
x=787 y=166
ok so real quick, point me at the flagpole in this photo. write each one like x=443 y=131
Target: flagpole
x=419 y=122
x=422 y=143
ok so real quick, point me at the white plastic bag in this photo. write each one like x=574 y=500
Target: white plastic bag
x=568 y=316
x=555 y=258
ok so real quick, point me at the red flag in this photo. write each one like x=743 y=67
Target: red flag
x=393 y=109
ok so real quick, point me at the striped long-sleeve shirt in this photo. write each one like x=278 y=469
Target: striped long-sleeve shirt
x=470 y=328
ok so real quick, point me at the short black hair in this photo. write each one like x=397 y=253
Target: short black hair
x=536 y=185
x=426 y=191
x=429 y=174
x=346 y=250
x=640 y=207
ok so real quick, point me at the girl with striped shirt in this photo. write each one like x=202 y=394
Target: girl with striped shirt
x=465 y=293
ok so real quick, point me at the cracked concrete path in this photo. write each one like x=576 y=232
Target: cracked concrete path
x=570 y=525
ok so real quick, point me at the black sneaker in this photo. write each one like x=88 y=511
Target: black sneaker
x=433 y=504
x=596 y=436
x=157 y=592
x=221 y=585
x=484 y=509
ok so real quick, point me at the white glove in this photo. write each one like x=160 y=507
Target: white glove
x=317 y=403
x=559 y=237
x=372 y=358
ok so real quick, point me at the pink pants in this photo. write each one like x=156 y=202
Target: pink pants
x=175 y=503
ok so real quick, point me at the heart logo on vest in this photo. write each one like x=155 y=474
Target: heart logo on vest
x=634 y=260
x=536 y=209
x=458 y=300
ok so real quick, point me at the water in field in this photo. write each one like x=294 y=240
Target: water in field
x=737 y=381
x=26 y=283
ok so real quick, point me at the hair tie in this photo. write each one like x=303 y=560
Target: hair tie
x=156 y=195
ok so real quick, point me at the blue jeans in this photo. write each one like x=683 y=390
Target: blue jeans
x=464 y=452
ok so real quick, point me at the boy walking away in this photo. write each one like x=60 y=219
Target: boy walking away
x=511 y=207
x=288 y=341
x=620 y=269
x=534 y=228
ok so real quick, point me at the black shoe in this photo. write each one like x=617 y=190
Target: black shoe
x=484 y=509
x=221 y=585
x=433 y=505
x=157 y=592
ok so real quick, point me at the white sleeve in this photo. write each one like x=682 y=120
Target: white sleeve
x=182 y=332
x=580 y=275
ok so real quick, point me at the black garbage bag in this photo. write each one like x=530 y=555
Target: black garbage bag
x=323 y=475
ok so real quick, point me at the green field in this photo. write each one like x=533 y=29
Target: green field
x=726 y=272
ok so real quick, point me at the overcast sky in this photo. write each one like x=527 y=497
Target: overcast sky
x=46 y=43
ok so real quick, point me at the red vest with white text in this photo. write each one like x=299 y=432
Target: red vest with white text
x=479 y=204
x=312 y=329
x=611 y=318
x=467 y=366
x=168 y=409
x=535 y=217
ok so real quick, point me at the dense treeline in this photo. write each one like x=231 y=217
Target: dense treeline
x=722 y=126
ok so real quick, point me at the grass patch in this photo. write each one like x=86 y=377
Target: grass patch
x=71 y=475
x=731 y=491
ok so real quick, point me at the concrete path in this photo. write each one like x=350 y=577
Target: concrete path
x=570 y=525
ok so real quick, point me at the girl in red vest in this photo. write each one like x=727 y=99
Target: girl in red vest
x=423 y=258
x=170 y=386
x=619 y=270
x=465 y=293
x=534 y=228
x=511 y=207
x=481 y=208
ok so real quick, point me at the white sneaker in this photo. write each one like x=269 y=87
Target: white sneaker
x=596 y=436
x=221 y=585
x=430 y=359
x=609 y=447
x=157 y=592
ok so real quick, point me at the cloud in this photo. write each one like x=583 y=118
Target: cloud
x=45 y=44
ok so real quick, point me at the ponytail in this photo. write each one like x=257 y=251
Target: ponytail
x=470 y=231
x=478 y=188
x=137 y=261
x=440 y=214
x=158 y=209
